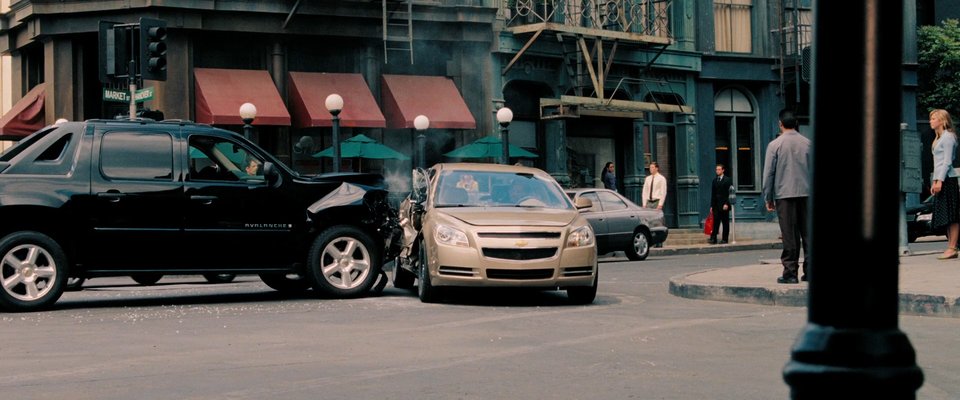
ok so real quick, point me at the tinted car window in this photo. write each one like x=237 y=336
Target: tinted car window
x=137 y=155
x=219 y=159
x=611 y=202
x=56 y=150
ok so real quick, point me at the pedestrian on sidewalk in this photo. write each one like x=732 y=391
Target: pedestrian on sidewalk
x=654 y=188
x=946 y=192
x=786 y=187
x=609 y=177
x=720 y=205
x=654 y=193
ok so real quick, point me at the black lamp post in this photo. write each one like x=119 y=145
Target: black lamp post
x=421 y=123
x=248 y=112
x=334 y=104
x=504 y=116
x=852 y=342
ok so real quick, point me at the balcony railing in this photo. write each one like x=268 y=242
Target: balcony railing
x=643 y=17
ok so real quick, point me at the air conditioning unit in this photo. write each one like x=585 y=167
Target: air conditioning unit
x=806 y=63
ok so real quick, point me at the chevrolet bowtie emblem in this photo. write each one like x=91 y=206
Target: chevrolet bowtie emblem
x=521 y=243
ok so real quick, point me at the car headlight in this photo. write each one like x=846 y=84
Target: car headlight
x=582 y=236
x=451 y=236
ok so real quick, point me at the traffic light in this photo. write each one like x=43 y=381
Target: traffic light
x=153 y=49
x=114 y=51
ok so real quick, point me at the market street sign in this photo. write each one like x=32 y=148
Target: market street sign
x=122 y=96
x=119 y=96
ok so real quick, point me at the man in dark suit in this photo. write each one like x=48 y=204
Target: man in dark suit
x=720 y=205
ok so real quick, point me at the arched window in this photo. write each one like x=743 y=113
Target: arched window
x=736 y=138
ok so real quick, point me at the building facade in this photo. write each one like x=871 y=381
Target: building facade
x=685 y=83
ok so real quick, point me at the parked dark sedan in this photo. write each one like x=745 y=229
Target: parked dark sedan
x=621 y=225
x=920 y=221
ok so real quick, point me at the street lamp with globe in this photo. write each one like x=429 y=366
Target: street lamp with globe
x=248 y=112
x=421 y=123
x=504 y=116
x=334 y=105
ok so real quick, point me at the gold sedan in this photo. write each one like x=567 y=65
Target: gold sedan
x=495 y=226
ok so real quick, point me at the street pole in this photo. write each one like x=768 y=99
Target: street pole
x=851 y=342
x=336 y=140
x=733 y=214
x=132 y=78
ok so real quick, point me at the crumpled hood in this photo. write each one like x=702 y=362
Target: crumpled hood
x=500 y=216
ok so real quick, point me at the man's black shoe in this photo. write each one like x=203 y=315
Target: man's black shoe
x=723 y=242
x=712 y=241
x=804 y=277
x=783 y=279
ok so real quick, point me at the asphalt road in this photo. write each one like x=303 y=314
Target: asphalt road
x=184 y=339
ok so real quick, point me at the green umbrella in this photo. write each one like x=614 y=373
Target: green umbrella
x=488 y=146
x=363 y=147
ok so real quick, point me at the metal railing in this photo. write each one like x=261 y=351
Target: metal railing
x=645 y=17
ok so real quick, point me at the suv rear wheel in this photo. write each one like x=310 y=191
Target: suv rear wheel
x=343 y=262
x=32 y=271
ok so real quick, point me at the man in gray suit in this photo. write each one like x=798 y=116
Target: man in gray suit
x=786 y=186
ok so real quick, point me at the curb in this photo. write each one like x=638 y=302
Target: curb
x=909 y=303
x=697 y=249
x=717 y=248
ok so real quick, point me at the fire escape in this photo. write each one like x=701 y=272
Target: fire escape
x=397 y=29
x=793 y=37
x=589 y=34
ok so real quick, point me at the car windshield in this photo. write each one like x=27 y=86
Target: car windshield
x=497 y=189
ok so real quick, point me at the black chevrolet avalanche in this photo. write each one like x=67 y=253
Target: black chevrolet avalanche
x=143 y=198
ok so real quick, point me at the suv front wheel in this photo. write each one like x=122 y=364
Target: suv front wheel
x=32 y=271
x=343 y=262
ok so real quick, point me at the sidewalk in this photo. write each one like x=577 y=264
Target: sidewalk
x=928 y=286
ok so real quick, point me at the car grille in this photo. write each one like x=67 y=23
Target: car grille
x=577 y=271
x=520 y=235
x=520 y=274
x=519 y=254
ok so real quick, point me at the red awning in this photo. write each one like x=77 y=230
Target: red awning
x=308 y=95
x=221 y=92
x=407 y=96
x=27 y=116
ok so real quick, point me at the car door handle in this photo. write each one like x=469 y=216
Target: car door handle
x=207 y=200
x=113 y=197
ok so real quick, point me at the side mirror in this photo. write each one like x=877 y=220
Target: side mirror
x=583 y=203
x=271 y=173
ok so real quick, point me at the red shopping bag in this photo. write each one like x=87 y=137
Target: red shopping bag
x=708 y=224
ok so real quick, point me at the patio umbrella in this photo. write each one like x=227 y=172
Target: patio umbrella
x=363 y=147
x=488 y=146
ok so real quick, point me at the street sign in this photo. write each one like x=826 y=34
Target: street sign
x=143 y=94
x=119 y=96
x=122 y=96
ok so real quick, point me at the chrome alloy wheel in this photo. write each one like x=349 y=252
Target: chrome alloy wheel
x=28 y=272
x=640 y=244
x=345 y=262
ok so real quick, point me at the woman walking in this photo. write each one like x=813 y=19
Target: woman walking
x=946 y=201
